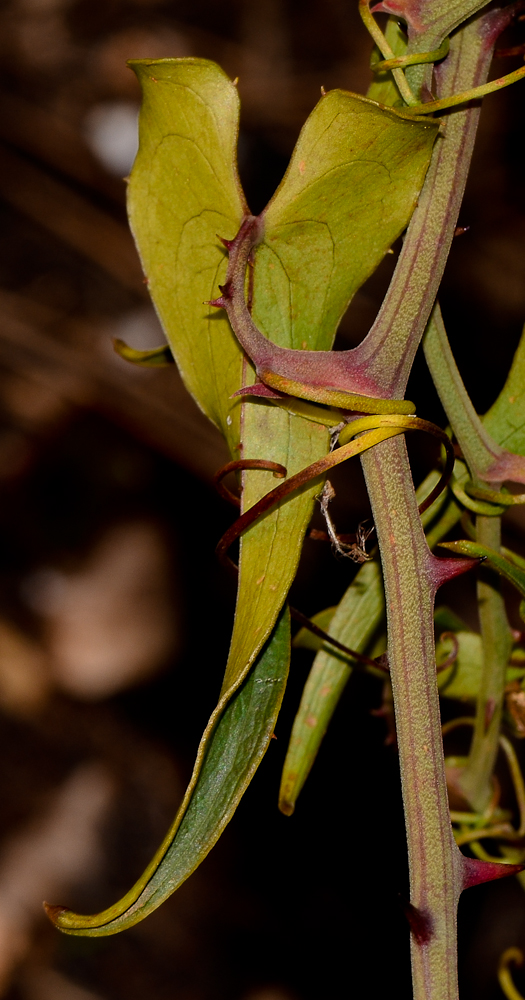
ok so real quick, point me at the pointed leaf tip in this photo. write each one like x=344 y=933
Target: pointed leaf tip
x=54 y=912
x=475 y=872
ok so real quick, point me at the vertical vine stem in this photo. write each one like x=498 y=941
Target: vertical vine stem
x=410 y=572
x=434 y=859
x=475 y=778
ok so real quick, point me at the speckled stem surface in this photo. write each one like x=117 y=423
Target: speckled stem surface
x=410 y=572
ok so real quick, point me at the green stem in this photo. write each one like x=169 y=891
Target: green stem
x=485 y=459
x=434 y=859
x=475 y=779
x=388 y=353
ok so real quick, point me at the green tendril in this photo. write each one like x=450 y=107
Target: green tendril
x=493 y=496
x=375 y=31
x=414 y=60
x=467 y=95
x=485 y=509
x=512 y=956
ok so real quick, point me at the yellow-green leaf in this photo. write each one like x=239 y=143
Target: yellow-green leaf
x=183 y=190
x=349 y=191
x=350 y=188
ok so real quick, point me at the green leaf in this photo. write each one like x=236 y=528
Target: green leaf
x=183 y=190
x=355 y=620
x=350 y=188
x=349 y=191
x=156 y=357
x=231 y=750
x=505 y=421
x=462 y=679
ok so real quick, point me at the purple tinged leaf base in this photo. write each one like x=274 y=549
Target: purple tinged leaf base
x=308 y=374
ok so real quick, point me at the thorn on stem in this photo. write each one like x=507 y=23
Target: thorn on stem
x=219 y=303
x=420 y=922
x=475 y=872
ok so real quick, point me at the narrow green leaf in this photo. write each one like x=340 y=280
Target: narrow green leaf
x=231 y=750
x=183 y=190
x=156 y=357
x=355 y=620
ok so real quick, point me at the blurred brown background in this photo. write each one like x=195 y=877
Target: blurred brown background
x=114 y=616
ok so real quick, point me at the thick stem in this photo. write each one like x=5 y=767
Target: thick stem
x=434 y=860
x=387 y=353
x=475 y=779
